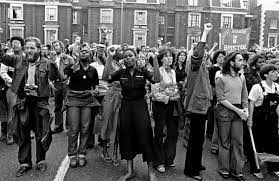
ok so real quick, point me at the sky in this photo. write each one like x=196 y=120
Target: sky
x=269 y=4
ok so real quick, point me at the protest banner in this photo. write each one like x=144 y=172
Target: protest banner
x=235 y=39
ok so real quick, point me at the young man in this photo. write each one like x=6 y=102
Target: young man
x=61 y=60
x=30 y=85
x=197 y=104
x=231 y=110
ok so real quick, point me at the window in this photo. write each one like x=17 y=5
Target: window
x=227 y=21
x=226 y=3
x=75 y=17
x=75 y=34
x=75 y=1
x=140 y=38
x=273 y=23
x=163 y=1
x=161 y=20
x=105 y=36
x=51 y=1
x=140 y=18
x=16 y=11
x=51 y=13
x=51 y=34
x=106 y=16
x=194 y=20
x=193 y=2
x=17 y=31
x=245 y=4
x=191 y=40
x=272 y=40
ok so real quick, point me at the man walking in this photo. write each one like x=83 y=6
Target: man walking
x=31 y=86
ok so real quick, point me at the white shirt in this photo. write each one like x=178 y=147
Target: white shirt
x=57 y=61
x=256 y=94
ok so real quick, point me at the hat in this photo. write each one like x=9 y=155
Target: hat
x=20 y=39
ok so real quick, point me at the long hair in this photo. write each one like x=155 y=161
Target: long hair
x=230 y=57
x=175 y=63
x=216 y=54
x=60 y=43
x=163 y=52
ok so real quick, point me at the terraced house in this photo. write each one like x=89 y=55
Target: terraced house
x=136 y=22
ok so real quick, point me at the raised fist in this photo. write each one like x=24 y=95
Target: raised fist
x=208 y=26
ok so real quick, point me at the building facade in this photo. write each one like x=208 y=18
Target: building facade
x=136 y=22
x=265 y=25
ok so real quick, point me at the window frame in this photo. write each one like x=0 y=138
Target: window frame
x=135 y=17
x=16 y=27
x=56 y=12
x=75 y=20
x=101 y=16
x=144 y=33
x=11 y=11
x=49 y=29
x=199 y=19
x=273 y=28
x=193 y=2
x=222 y=19
x=273 y=36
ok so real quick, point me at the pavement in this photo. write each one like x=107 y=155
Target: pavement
x=98 y=170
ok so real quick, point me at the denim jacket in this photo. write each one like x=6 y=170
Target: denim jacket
x=20 y=64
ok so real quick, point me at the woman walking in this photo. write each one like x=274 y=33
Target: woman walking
x=135 y=132
x=79 y=102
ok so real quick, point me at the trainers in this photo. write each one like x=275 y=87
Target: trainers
x=82 y=162
x=161 y=168
x=73 y=162
x=258 y=175
x=22 y=170
x=41 y=167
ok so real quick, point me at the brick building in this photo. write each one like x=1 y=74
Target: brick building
x=45 y=19
x=136 y=22
x=265 y=24
x=180 y=22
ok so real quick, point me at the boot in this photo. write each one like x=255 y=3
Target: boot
x=4 y=131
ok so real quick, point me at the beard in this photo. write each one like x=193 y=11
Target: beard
x=236 y=69
x=84 y=60
x=33 y=58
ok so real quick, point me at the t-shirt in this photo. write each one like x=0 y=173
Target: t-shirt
x=256 y=94
x=103 y=85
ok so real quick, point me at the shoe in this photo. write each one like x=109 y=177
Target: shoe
x=171 y=165
x=225 y=175
x=238 y=177
x=41 y=167
x=258 y=175
x=82 y=162
x=106 y=159
x=57 y=130
x=23 y=170
x=161 y=169
x=3 y=137
x=195 y=177
x=10 y=140
x=276 y=174
x=73 y=162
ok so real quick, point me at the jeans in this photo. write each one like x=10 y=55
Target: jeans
x=230 y=132
x=79 y=122
x=166 y=133
x=37 y=117
x=193 y=160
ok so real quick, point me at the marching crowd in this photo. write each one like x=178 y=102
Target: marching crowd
x=137 y=100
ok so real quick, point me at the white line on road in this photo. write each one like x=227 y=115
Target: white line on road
x=62 y=169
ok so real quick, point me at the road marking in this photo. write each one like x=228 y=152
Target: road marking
x=61 y=172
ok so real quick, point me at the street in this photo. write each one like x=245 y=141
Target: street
x=98 y=170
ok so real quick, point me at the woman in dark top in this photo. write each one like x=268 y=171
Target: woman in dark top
x=79 y=103
x=253 y=77
x=135 y=132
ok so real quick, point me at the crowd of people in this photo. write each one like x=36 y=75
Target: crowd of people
x=137 y=100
